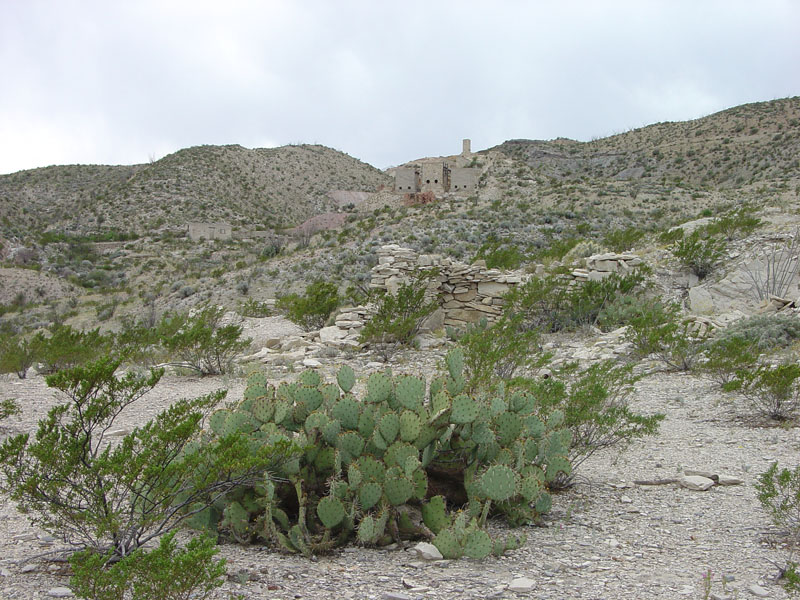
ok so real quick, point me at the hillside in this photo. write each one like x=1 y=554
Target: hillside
x=740 y=146
x=260 y=188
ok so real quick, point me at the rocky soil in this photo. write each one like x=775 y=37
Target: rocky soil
x=607 y=537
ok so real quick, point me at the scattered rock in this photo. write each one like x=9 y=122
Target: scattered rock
x=60 y=592
x=696 y=482
x=758 y=591
x=427 y=551
x=521 y=584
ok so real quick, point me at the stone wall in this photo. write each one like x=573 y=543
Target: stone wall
x=467 y=293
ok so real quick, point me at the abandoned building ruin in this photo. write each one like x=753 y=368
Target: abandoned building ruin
x=438 y=177
x=210 y=231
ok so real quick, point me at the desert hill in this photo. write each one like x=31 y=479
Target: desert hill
x=259 y=188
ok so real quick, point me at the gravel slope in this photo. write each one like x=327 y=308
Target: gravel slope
x=606 y=538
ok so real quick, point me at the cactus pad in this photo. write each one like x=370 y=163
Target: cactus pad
x=369 y=494
x=478 y=544
x=499 y=483
x=434 y=514
x=397 y=454
x=310 y=377
x=351 y=444
x=465 y=410
x=217 y=421
x=410 y=391
x=447 y=543
x=330 y=511
x=508 y=426
x=544 y=503
x=346 y=378
x=311 y=397
x=347 y=411
x=556 y=465
x=379 y=387
x=372 y=469
x=455 y=362
x=410 y=426
x=366 y=530
x=398 y=490
x=389 y=426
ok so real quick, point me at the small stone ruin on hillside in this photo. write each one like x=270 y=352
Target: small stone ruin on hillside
x=466 y=293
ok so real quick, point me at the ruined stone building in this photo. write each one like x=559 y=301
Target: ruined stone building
x=437 y=177
x=210 y=231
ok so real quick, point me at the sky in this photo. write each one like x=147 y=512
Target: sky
x=108 y=82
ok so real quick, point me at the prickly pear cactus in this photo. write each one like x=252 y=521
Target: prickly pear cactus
x=361 y=467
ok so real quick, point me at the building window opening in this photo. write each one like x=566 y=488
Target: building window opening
x=427 y=181
x=435 y=181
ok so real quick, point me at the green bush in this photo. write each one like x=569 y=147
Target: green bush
x=622 y=240
x=399 y=316
x=166 y=572
x=555 y=303
x=699 y=252
x=500 y=255
x=773 y=391
x=64 y=347
x=725 y=356
x=114 y=498
x=494 y=354
x=661 y=330
x=779 y=493
x=17 y=355
x=740 y=221
x=367 y=466
x=253 y=308
x=312 y=309
x=8 y=407
x=596 y=411
x=201 y=341
x=765 y=332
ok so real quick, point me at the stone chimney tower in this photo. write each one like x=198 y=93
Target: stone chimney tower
x=465 y=146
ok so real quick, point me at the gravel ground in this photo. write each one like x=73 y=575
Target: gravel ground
x=606 y=538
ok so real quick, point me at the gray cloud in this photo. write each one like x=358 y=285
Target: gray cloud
x=100 y=82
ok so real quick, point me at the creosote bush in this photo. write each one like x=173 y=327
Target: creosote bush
x=779 y=493
x=399 y=315
x=700 y=252
x=112 y=498
x=660 y=329
x=312 y=309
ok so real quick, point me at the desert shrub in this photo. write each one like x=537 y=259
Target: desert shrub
x=773 y=390
x=661 y=330
x=8 y=407
x=500 y=255
x=17 y=355
x=779 y=493
x=555 y=303
x=781 y=265
x=725 y=356
x=671 y=236
x=202 y=341
x=113 y=498
x=700 y=252
x=622 y=309
x=253 y=308
x=596 y=411
x=621 y=240
x=367 y=465
x=64 y=347
x=740 y=221
x=494 y=354
x=399 y=316
x=312 y=309
x=166 y=572
x=765 y=332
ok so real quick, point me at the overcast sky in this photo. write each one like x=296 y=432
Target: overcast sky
x=122 y=82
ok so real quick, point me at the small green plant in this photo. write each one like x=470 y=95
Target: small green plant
x=202 y=341
x=765 y=332
x=661 y=330
x=494 y=354
x=312 y=309
x=596 y=411
x=622 y=240
x=64 y=347
x=112 y=498
x=773 y=391
x=254 y=308
x=740 y=221
x=555 y=303
x=8 y=407
x=500 y=254
x=700 y=252
x=17 y=355
x=399 y=316
x=779 y=493
x=166 y=572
